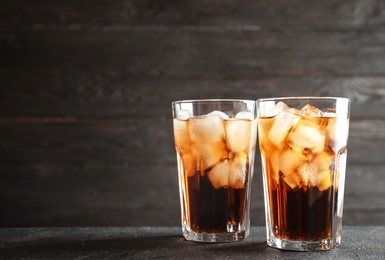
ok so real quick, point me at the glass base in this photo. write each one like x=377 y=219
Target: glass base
x=298 y=245
x=214 y=237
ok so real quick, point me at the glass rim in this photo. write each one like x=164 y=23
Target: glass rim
x=303 y=98
x=214 y=100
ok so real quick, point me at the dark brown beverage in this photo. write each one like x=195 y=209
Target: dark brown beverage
x=303 y=214
x=303 y=151
x=299 y=149
x=214 y=210
x=214 y=154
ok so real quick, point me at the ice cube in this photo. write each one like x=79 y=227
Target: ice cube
x=189 y=165
x=305 y=172
x=238 y=134
x=316 y=171
x=311 y=176
x=273 y=167
x=270 y=165
x=244 y=115
x=276 y=109
x=293 y=181
x=330 y=114
x=310 y=111
x=238 y=171
x=209 y=154
x=324 y=182
x=323 y=161
x=281 y=127
x=307 y=136
x=219 y=175
x=331 y=129
x=290 y=160
x=218 y=113
x=184 y=114
x=264 y=126
x=207 y=129
x=319 y=179
x=181 y=135
x=337 y=132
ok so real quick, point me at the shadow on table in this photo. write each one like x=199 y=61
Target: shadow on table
x=133 y=247
x=86 y=246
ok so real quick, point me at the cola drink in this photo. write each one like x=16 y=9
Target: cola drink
x=303 y=155
x=215 y=154
x=212 y=210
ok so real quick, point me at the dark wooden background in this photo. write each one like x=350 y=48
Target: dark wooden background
x=86 y=90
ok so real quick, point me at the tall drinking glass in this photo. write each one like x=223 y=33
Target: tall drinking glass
x=215 y=142
x=303 y=144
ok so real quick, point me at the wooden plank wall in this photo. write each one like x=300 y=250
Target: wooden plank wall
x=86 y=90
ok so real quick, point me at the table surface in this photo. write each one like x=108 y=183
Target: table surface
x=168 y=242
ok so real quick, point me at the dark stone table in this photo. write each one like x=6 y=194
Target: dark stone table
x=167 y=242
